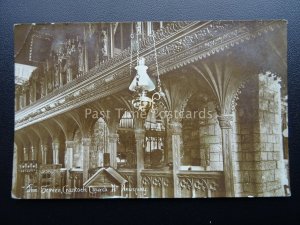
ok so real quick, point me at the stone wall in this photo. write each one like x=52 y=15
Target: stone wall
x=210 y=140
x=202 y=140
x=257 y=145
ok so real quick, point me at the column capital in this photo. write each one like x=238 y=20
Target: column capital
x=55 y=145
x=25 y=153
x=86 y=141
x=225 y=121
x=44 y=147
x=113 y=137
x=175 y=127
x=139 y=134
x=33 y=152
x=69 y=144
x=55 y=139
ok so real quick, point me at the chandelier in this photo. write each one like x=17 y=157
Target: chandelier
x=145 y=93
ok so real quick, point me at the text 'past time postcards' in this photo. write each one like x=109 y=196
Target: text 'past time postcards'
x=151 y=110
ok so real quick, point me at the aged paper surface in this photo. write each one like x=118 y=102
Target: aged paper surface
x=151 y=110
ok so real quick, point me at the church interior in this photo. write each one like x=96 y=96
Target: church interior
x=193 y=109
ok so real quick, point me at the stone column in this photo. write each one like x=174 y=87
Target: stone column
x=60 y=77
x=121 y=36
x=33 y=153
x=113 y=142
x=139 y=138
x=26 y=177
x=176 y=132
x=226 y=132
x=168 y=147
x=112 y=40
x=261 y=172
x=32 y=91
x=24 y=94
x=22 y=101
x=86 y=62
x=55 y=148
x=86 y=142
x=25 y=153
x=46 y=84
x=17 y=101
x=44 y=151
x=161 y=25
x=42 y=86
x=69 y=159
x=149 y=28
x=31 y=94
x=18 y=178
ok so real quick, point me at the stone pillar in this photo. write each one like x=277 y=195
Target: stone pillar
x=44 y=151
x=17 y=101
x=55 y=148
x=86 y=142
x=69 y=154
x=24 y=102
x=113 y=142
x=33 y=153
x=112 y=40
x=69 y=159
x=18 y=178
x=42 y=86
x=149 y=28
x=139 y=138
x=69 y=71
x=266 y=167
x=168 y=147
x=176 y=132
x=46 y=84
x=26 y=177
x=31 y=94
x=121 y=36
x=32 y=91
x=226 y=132
x=60 y=77
x=161 y=25
x=259 y=151
x=86 y=62
x=25 y=153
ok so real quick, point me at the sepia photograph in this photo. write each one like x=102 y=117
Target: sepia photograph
x=180 y=109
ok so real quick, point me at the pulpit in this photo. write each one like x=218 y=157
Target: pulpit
x=105 y=183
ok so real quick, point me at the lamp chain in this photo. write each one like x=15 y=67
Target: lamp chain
x=156 y=62
x=130 y=66
x=138 y=32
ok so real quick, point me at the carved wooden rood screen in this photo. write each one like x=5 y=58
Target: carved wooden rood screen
x=217 y=129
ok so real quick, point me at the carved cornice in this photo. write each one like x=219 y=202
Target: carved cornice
x=176 y=47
